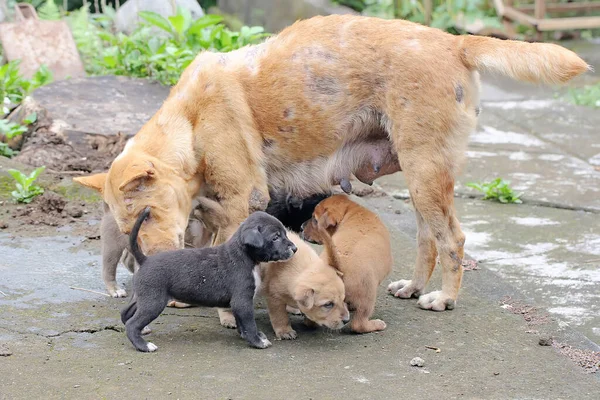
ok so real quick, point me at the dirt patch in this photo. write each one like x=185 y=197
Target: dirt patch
x=530 y=314
x=586 y=359
x=48 y=146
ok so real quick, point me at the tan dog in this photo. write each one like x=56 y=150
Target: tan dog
x=365 y=253
x=326 y=98
x=307 y=283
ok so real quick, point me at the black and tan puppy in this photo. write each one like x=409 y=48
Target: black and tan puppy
x=222 y=276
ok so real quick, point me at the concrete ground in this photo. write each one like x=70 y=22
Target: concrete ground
x=537 y=277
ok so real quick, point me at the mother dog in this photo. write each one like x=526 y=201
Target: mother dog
x=327 y=98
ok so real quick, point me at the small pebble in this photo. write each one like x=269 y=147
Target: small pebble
x=3 y=225
x=545 y=341
x=417 y=362
x=76 y=386
x=496 y=373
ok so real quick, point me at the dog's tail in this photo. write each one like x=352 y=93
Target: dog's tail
x=128 y=311
x=529 y=62
x=332 y=252
x=133 y=236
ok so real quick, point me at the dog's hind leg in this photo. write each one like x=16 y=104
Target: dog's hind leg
x=360 y=322
x=243 y=311
x=429 y=160
x=148 y=309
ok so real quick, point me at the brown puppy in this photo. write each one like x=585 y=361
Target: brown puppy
x=305 y=282
x=325 y=98
x=365 y=254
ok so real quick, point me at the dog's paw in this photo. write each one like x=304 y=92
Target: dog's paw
x=293 y=310
x=436 y=301
x=404 y=289
x=288 y=334
x=227 y=319
x=364 y=326
x=116 y=292
x=178 y=304
x=264 y=342
x=152 y=347
x=146 y=330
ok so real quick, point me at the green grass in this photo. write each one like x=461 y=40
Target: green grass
x=588 y=96
x=498 y=190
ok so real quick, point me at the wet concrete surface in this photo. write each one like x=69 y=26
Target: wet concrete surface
x=70 y=344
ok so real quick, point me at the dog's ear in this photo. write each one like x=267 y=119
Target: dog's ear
x=95 y=182
x=327 y=220
x=305 y=297
x=252 y=237
x=135 y=174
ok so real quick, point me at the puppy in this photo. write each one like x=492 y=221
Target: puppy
x=115 y=245
x=220 y=276
x=307 y=283
x=291 y=211
x=365 y=253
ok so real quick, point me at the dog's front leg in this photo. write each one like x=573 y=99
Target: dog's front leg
x=280 y=319
x=243 y=310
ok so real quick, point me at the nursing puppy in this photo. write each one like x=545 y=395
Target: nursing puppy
x=307 y=283
x=222 y=276
x=203 y=223
x=365 y=256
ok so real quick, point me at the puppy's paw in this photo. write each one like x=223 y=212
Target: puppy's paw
x=286 y=334
x=436 y=301
x=264 y=342
x=146 y=330
x=227 y=319
x=373 y=325
x=293 y=310
x=152 y=347
x=405 y=289
x=178 y=304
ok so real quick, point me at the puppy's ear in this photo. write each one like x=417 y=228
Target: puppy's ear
x=135 y=174
x=327 y=221
x=95 y=182
x=252 y=237
x=305 y=297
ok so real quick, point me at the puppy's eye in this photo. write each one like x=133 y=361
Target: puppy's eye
x=328 y=305
x=275 y=238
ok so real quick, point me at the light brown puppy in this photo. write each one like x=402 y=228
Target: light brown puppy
x=305 y=282
x=326 y=98
x=365 y=253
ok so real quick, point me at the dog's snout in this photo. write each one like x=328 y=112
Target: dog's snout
x=293 y=248
x=345 y=320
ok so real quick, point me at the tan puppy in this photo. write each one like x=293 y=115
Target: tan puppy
x=307 y=283
x=326 y=98
x=365 y=254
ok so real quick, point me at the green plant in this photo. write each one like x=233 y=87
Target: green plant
x=445 y=13
x=26 y=189
x=588 y=96
x=498 y=189
x=10 y=129
x=6 y=151
x=161 y=55
x=13 y=87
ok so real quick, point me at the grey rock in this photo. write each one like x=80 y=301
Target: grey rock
x=417 y=362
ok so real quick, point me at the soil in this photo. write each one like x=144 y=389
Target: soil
x=47 y=147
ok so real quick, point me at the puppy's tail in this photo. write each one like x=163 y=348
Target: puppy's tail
x=332 y=252
x=128 y=311
x=133 y=243
x=530 y=62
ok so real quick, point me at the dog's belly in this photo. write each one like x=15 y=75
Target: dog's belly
x=365 y=159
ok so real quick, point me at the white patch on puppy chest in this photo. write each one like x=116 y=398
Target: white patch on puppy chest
x=257 y=280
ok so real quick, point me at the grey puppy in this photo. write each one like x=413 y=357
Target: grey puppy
x=222 y=276
x=115 y=245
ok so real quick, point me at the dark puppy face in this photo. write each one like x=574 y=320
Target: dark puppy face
x=293 y=211
x=265 y=238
